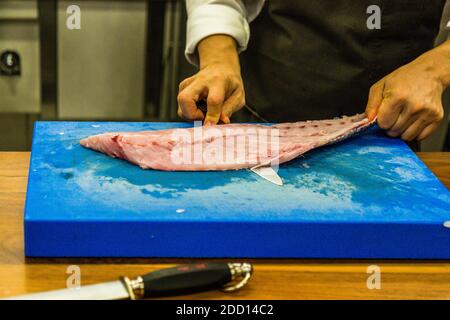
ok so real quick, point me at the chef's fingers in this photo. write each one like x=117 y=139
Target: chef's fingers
x=235 y=102
x=389 y=111
x=375 y=98
x=180 y=113
x=187 y=99
x=183 y=84
x=433 y=119
x=427 y=131
x=182 y=116
x=214 y=102
x=404 y=121
x=415 y=129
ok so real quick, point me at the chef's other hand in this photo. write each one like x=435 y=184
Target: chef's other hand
x=408 y=101
x=218 y=82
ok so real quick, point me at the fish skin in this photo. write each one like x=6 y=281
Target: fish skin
x=154 y=149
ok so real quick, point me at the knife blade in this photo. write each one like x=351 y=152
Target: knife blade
x=178 y=280
x=269 y=174
x=114 y=290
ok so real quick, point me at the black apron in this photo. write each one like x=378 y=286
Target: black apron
x=317 y=59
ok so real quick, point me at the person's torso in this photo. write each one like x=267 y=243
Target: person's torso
x=317 y=59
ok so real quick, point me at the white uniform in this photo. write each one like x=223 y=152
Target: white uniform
x=232 y=17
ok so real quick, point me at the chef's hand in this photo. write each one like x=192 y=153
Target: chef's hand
x=219 y=82
x=408 y=102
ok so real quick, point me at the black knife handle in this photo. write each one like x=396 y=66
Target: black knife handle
x=186 y=279
x=203 y=106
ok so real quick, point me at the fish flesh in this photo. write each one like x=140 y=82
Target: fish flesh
x=224 y=147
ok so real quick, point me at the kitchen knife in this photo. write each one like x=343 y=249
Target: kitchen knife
x=202 y=105
x=269 y=174
x=178 y=280
x=265 y=172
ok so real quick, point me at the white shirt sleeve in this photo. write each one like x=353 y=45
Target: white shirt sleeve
x=209 y=17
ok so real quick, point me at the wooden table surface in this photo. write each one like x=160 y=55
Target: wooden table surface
x=273 y=279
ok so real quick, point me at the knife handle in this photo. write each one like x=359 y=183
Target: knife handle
x=189 y=278
x=202 y=105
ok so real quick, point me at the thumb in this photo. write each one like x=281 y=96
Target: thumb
x=375 y=99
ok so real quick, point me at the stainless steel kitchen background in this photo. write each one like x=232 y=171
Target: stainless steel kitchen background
x=124 y=64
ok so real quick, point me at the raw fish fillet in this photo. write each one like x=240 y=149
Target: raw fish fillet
x=224 y=147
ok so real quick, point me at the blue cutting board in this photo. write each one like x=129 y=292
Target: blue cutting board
x=366 y=197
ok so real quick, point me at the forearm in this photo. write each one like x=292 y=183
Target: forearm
x=219 y=17
x=218 y=49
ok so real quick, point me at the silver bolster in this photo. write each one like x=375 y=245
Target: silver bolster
x=135 y=287
x=240 y=275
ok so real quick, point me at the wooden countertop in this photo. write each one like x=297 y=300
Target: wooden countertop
x=273 y=279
